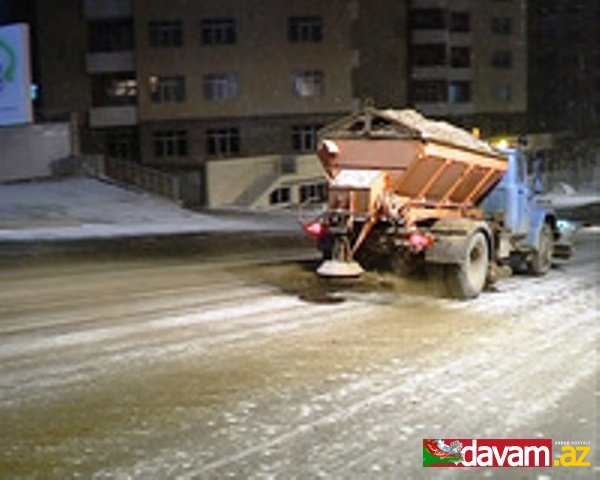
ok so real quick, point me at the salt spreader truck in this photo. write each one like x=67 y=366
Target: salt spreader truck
x=410 y=192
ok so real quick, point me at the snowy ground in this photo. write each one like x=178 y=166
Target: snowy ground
x=196 y=367
x=178 y=368
x=86 y=208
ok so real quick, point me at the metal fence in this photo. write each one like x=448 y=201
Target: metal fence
x=183 y=188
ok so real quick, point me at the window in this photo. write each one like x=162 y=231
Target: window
x=166 y=33
x=168 y=89
x=170 y=143
x=430 y=91
x=114 y=90
x=427 y=18
x=305 y=29
x=308 y=83
x=460 y=57
x=221 y=86
x=460 y=22
x=502 y=59
x=280 y=195
x=313 y=192
x=459 y=92
x=218 y=31
x=502 y=25
x=304 y=137
x=111 y=36
x=429 y=55
x=222 y=141
x=502 y=93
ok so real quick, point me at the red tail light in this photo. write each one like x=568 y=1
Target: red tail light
x=419 y=241
x=315 y=229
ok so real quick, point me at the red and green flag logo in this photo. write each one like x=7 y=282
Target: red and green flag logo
x=437 y=452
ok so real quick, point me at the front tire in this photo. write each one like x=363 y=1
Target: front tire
x=467 y=280
x=541 y=260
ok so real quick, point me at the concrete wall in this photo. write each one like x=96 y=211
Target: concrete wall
x=33 y=151
x=250 y=181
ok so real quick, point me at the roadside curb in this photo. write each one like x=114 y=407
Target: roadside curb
x=206 y=243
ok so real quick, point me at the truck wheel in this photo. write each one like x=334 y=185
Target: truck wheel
x=468 y=279
x=541 y=260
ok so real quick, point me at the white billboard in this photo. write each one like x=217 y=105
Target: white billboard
x=15 y=75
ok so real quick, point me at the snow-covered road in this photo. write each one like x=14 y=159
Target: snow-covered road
x=174 y=367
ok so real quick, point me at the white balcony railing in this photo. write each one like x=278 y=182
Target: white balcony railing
x=102 y=9
x=110 y=62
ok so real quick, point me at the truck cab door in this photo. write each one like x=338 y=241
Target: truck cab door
x=523 y=197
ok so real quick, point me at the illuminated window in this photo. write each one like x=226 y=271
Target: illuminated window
x=308 y=83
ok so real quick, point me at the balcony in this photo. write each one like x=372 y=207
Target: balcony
x=95 y=10
x=110 y=62
x=113 y=116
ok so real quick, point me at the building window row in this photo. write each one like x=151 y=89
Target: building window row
x=440 y=19
x=307 y=193
x=224 y=31
x=441 y=91
x=226 y=142
x=438 y=54
x=226 y=86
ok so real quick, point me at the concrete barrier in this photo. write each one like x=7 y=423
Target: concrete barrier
x=35 y=151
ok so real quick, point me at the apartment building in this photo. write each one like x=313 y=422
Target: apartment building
x=468 y=60
x=564 y=74
x=214 y=86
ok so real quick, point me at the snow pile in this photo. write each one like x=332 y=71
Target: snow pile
x=563 y=195
x=438 y=130
x=87 y=208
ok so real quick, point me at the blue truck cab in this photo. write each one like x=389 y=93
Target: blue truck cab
x=529 y=230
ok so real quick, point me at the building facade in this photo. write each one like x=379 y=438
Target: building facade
x=564 y=74
x=468 y=61
x=180 y=84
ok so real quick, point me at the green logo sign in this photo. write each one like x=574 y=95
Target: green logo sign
x=7 y=72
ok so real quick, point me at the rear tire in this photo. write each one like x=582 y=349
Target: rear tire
x=468 y=279
x=541 y=260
